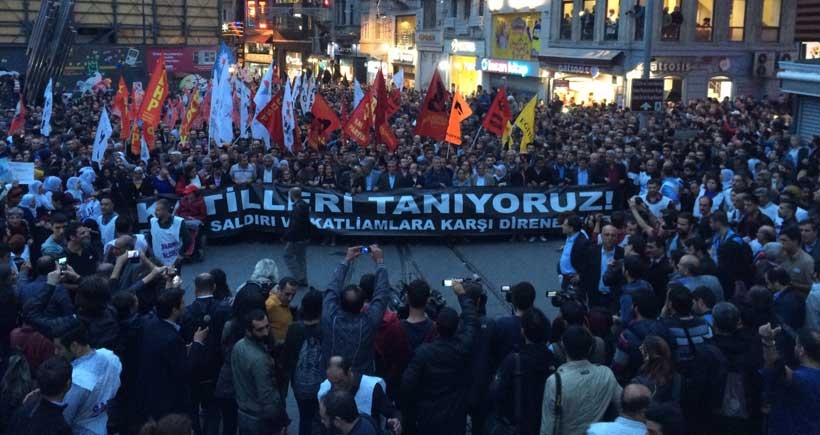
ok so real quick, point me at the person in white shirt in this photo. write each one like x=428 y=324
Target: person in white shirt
x=107 y=220
x=654 y=200
x=94 y=382
x=243 y=172
x=634 y=402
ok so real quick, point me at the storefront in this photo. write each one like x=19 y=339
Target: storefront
x=403 y=60
x=517 y=75
x=463 y=70
x=257 y=63
x=715 y=77
x=585 y=77
x=293 y=64
x=429 y=44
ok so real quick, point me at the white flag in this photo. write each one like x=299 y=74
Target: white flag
x=244 y=107
x=298 y=88
x=104 y=132
x=287 y=116
x=398 y=79
x=145 y=155
x=220 y=123
x=45 y=127
x=304 y=99
x=311 y=94
x=261 y=99
x=358 y=93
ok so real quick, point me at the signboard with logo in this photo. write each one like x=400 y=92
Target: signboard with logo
x=647 y=95
x=521 y=68
x=667 y=66
x=517 y=36
x=572 y=68
x=429 y=40
x=184 y=59
x=462 y=46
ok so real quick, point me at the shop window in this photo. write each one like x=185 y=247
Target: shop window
x=770 y=21
x=613 y=14
x=639 y=13
x=737 y=18
x=567 y=10
x=406 y=31
x=719 y=88
x=588 y=20
x=706 y=10
x=672 y=20
x=672 y=89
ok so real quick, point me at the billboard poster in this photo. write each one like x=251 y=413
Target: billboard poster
x=516 y=36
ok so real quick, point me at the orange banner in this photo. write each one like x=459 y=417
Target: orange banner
x=324 y=122
x=121 y=109
x=459 y=112
x=151 y=109
x=499 y=114
x=190 y=115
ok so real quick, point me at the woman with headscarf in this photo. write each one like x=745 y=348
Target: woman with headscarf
x=73 y=189
x=87 y=178
x=41 y=199
x=28 y=204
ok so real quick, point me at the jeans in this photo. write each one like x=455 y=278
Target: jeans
x=229 y=416
x=250 y=425
x=296 y=259
x=206 y=409
x=308 y=412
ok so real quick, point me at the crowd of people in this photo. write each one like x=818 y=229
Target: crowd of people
x=694 y=309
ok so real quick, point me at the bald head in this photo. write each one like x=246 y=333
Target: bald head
x=688 y=265
x=635 y=400
x=125 y=243
x=204 y=284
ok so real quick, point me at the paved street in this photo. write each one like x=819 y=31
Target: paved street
x=497 y=263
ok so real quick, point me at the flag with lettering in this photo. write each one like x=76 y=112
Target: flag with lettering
x=244 y=108
x=271 y=117
x=151 y=110
x=190 y=115
x=120 y=108
x=220 y=125
x=260 y=100
x=526 y=123
x=361 y=120
x=288 y=119
x=499 y=113
x=48 y=97
x=506 y=138
x=18 y=123
x=459 y=112
x=324 y=122
x=304 y=97
x=433 y=119
x=104 y=133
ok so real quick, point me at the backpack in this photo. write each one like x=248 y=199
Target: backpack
x=308 y=373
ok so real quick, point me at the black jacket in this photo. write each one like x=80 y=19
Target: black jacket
x=164 y=371
x=591 y=274
x=437 y=381
x=537 y=365
x=211 y=313
x=39 y=417
x=657 y=275
x=299 y=228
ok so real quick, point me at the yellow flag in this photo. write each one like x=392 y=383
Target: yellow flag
x=506 y=138
x=459 y=112
x=526 y=122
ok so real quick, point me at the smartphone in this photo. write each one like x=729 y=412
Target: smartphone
x=134 y=256
x=61 y=262
x=449 y=282
x=505 y=288
x=365 y=250
x=552 y=294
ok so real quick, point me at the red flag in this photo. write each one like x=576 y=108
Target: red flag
x=383 y=133
x=204 y=112
x=271 y=117
x=361 y=120
x=324 y=122
x=433 y=119
x=499 y=114
x=120 y=109
x=393 y=102
x=151 y=109
x=18 y=123
x=138 y=93
x=237 y=103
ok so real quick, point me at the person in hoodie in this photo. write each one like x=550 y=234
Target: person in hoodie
x=536 y=365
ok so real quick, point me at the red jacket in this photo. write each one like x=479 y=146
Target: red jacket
x=192 y=207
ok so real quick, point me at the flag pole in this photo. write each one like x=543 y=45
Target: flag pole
x=478 y=133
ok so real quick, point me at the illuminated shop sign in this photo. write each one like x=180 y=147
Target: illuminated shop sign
x=514 y=67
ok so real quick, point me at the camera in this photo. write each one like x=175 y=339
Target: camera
x=559 y=297
x=507 y=290
x=134 y=256
x=365 y=250
x=398 y=303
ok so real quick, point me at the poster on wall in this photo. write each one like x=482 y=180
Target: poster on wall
x=517 y=36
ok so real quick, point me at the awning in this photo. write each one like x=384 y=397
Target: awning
x=585 y=57
x=258 y=39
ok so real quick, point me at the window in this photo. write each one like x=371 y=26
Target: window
x=468 y=4
x=770 y=21
x=719 y=88
x=672 y=89
x=639 y=12
x=567 y=7
x=613 y=13
x=588 y=21
x=454 y=8
x=672 y=20
x=429 y=14
x=737 y=18
x=480 y=8
x=406 y=31
x=703 y=31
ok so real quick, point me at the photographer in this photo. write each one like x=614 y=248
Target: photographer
x=506 y=334
x=436 y=380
